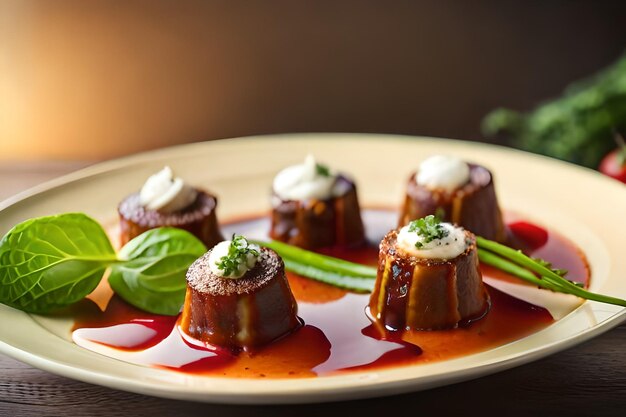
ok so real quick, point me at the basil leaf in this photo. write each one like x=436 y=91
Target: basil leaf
x=151 y=274
x=51 y=262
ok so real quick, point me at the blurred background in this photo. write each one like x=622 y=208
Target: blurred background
x=91 y=80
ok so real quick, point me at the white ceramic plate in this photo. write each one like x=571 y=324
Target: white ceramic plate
x=579 y=203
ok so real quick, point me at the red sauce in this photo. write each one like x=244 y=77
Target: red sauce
x=337 y=336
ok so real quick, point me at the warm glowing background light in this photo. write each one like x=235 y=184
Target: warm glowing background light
x=97 y=79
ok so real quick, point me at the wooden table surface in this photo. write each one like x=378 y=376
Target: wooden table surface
x=589 y=379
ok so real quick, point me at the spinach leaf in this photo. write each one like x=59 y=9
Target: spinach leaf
x=51 y=262
x=152 y=268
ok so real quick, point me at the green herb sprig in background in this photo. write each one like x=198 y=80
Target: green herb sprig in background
x=577 y=127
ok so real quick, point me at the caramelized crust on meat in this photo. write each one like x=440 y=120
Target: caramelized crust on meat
x=239 y=313
x=199 y=219
x=312 y=224
x=426 y=294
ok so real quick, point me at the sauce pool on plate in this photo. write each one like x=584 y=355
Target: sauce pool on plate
x=337 y=336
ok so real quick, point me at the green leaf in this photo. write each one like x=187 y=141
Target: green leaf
x=151 y=274
x=50 y=262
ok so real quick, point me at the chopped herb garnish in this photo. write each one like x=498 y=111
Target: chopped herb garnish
x=238 y=252
x=429 y=228
x=322 y=170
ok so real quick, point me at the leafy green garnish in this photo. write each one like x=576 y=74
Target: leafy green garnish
x=151 y=274
x=546 y=264
x=51 y=262
x=333 y=271
x=429 y=228
x=514 y=261
x=559 y=272
x=319 y=261
x=346 y=282
x=577 y=126
x=238 y=252
x=360 y=278
x=322 y=170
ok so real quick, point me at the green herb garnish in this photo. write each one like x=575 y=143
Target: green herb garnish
x=319 y=261
x=360 y=278
x=544 y=263
x=51 y=262
x=429 y=228
x=322 y=170
x=238 y=252
x=559 y=272
x=333 y=271
x=576 y=127
x=536 y=271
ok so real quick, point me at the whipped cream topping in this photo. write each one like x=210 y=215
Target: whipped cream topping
x=166 y=193
x=306 y=181
x=443 y=172
x=447 y=247
x=243 y=261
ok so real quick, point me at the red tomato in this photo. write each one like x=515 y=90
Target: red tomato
x=614 y=166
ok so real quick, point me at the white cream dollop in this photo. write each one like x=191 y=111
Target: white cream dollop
x=450 y=246
x=166 y=193
x=305 y=181
x=443 y=172
x=221 y=250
